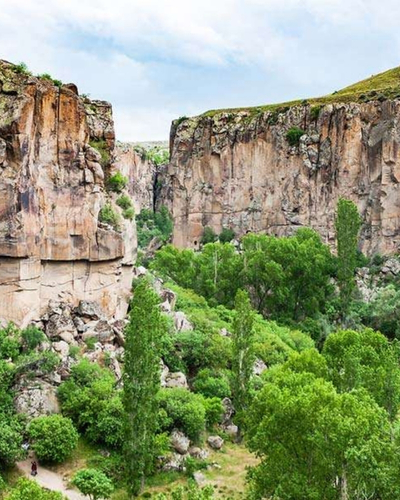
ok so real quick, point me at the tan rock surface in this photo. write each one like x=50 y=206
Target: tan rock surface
x=237 y=170
x=52 y=245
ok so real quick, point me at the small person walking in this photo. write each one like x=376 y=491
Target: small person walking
x=33 y=468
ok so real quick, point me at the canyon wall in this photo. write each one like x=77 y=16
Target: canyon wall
x=55 y=152
x=236 y=169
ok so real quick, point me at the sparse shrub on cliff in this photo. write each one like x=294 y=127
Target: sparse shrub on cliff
x=22 y=69
x=108 y=215
x=117 y=182
x=226 y=235
x=54 y=81
x=124 y=202
x=54 y=438
x=180 y=120
x=314 y=112
x=129 y=213
x=209 y=236
x=293 y=135
x=103 y=149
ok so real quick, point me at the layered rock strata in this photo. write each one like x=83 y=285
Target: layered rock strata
x=238 y=170
x=55 y=150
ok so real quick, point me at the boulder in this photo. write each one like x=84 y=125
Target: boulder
x=181 y=323
x=259 y=367
x=60 y=323
x=199 y=478
x=180 y=442
x=35 y=398
x=215 y=442
x=168 y=297
x=62 y=348
x=176 y=379
x=229 y=411
x=200 y=453
x=175 y=462
x=231 y=430
x=89 y=309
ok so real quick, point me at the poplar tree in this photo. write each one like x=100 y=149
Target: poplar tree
x=143 y=336
x=347 y=225
x=242 y=355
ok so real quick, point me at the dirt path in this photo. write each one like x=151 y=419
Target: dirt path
x=49 y=480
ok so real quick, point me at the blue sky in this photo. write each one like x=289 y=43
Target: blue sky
x=156 y=60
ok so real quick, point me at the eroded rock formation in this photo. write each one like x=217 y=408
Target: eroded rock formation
x=55 y=149
x=237 y=170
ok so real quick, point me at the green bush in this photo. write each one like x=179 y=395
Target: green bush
x=26 y=489
x=212 y=384
x=214 y=411
x=183 y=410
x=90 y=399
x=293 y=135
x=209 y=236
x=22 y=69
x=93 y=483
x=226 y=235
x=10 y=342
x=54 y=438
x=54 y=81
x=117 y=182
x=315 y=111
x=104 y=150
x=32 y=336
x=129 y=213
x=10 y=437
x=108 y=215
x=124 y=201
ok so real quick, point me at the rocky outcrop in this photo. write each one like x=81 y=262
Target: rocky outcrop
x=237 y=170
x=55 y=151
x=140 y=171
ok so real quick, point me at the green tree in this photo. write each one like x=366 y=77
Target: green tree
x=10 y=440
x=242 y=354
x=93 y=483
x=54 y=437
x=365 y=359
x=317 y=444
x=347 y=226
x=144 y=335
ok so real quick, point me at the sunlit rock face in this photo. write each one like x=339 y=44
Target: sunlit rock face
x=237 y=170
x=52 y=187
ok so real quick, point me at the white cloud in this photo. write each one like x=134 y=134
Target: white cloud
x=156 y=58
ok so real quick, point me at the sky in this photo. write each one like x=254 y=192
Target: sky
x=157 y=60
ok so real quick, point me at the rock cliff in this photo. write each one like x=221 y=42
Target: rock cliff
x=237 y=169
x=56 y=151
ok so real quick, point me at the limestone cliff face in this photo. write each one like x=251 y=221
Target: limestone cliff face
x=52 y=245
x=237 y=170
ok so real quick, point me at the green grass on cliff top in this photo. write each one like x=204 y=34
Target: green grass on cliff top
x=383 y=86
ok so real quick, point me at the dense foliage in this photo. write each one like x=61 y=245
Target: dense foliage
x=93 y=483
x=144 y=335
x=347 y=225
x=287 y=278
x=151 y=225
x=53 y=438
